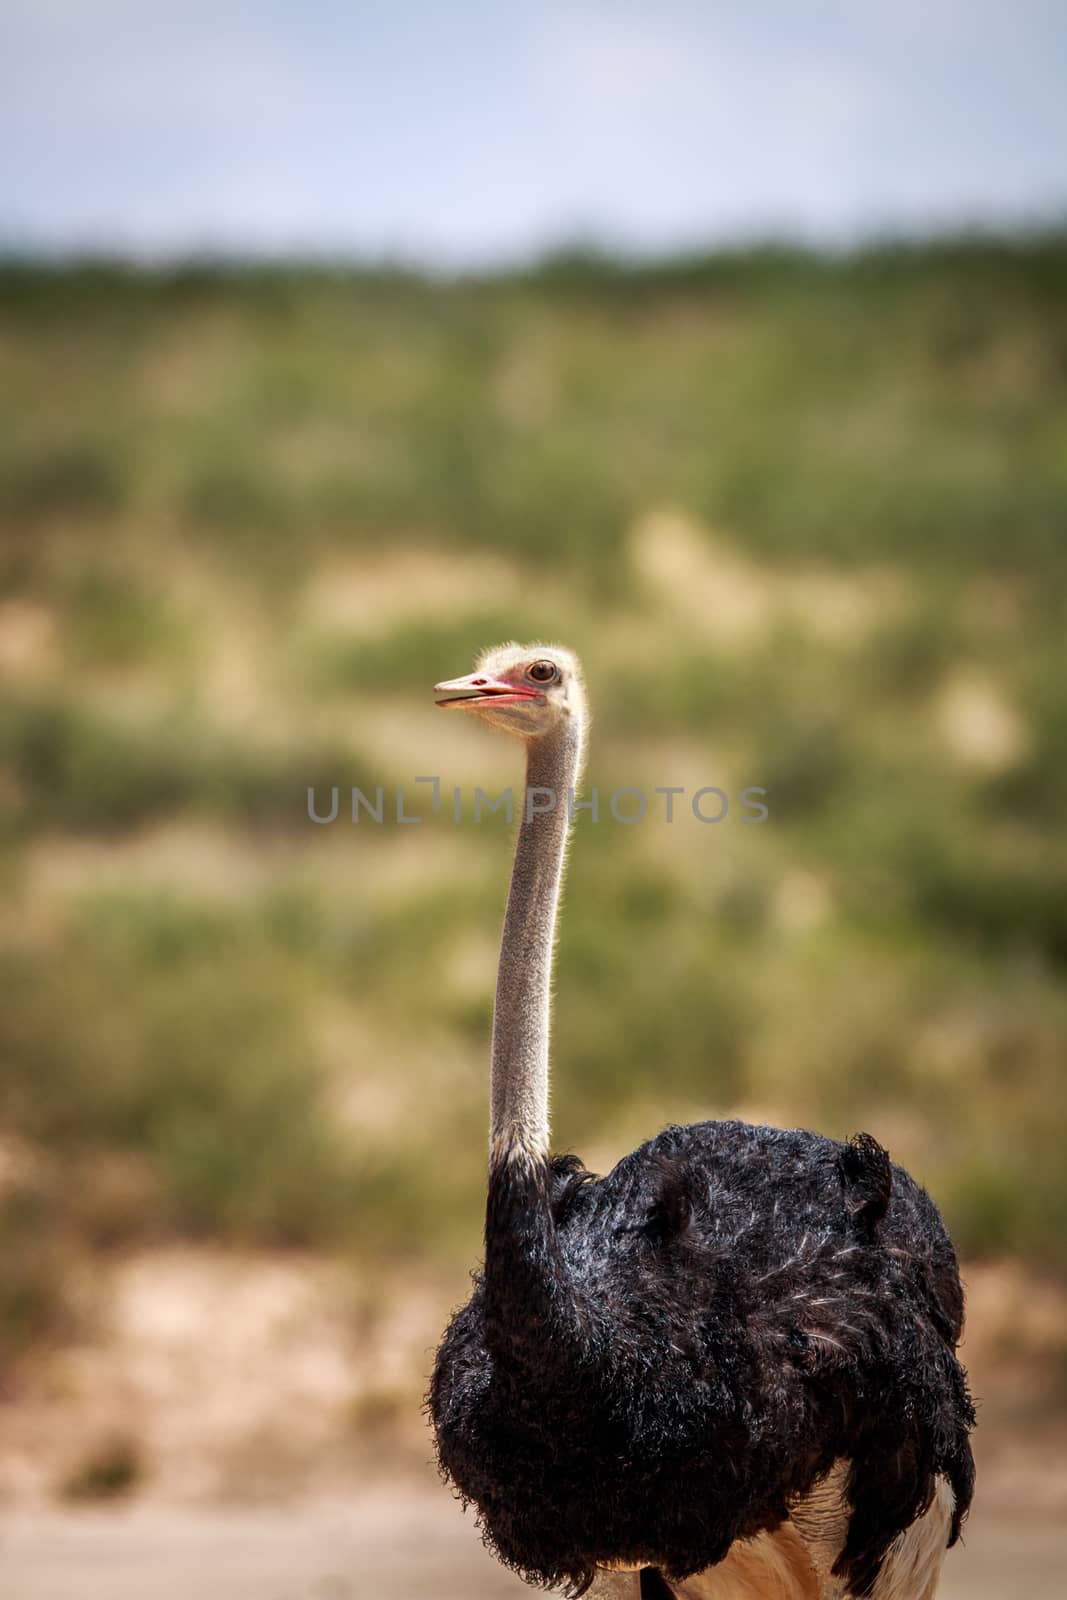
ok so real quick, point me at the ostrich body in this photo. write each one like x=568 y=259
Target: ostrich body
x=732 y=1356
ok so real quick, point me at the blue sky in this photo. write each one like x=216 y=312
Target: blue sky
x=470 y=131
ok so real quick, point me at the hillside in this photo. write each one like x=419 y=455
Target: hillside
x=803 y=518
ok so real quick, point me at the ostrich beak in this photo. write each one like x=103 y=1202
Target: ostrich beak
x=478 y=689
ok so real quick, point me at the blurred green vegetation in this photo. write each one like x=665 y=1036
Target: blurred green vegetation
x=805 y=520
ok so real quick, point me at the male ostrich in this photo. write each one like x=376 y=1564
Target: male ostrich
x=733 y=1356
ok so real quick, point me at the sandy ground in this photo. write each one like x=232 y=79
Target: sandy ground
x=279 y=1452
x=390 y=1545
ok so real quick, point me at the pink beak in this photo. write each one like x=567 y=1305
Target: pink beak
x=477 y=689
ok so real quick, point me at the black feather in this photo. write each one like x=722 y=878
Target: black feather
x=656 y=1363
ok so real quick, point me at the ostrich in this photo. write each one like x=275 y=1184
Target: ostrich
x=734 y=1355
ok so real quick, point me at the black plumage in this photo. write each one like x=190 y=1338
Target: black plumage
x=658 y=1362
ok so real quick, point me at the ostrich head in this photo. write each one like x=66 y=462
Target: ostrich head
x=530 y=690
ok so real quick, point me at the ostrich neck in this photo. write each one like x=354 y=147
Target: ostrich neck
x=523 y=1011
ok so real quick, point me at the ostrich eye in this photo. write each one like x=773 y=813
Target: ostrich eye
x=542 y=672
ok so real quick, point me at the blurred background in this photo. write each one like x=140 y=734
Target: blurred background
x=724 y=343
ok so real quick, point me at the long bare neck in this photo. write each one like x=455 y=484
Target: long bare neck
x=523 y=1012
